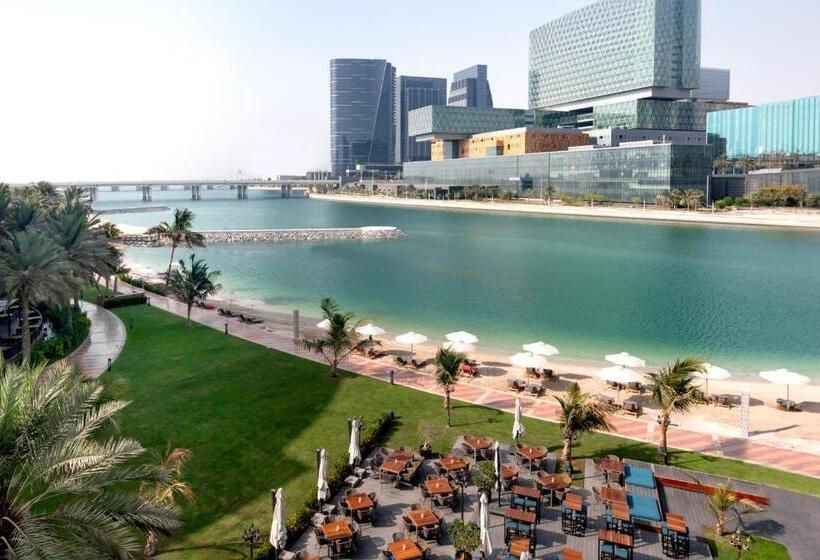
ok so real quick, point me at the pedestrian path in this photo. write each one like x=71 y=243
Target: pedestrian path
x=632 y=428
x=105 y=341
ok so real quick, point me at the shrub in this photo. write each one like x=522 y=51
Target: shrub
x=154 y=288
x=464 y=536
x=64 y=340
x=122 y=301
x=780 y=195
x=483 y=475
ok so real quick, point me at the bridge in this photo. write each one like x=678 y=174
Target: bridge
x=286 y=187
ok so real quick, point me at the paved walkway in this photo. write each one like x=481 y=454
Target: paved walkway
x=105 y=340
x=632 y=428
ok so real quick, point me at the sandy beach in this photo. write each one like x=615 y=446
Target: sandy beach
x=758 y=217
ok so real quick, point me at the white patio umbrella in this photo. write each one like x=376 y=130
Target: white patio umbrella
x=625 y=359
x=411 y=338
x=498 y=474
x=541 y=348
x=518 y=426
x=484 y=526
x=353 y=451
x=278 y=530
x=460 y=347
x=324 y=324
x=462 y=336
x=712 y=372
x=527 y=360
x=525 y=555
x=370 y=330
x=620 y=375
x=784 y=377
x=323 y=490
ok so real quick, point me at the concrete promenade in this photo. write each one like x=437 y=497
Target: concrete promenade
x=637 y=429
x=105 y=340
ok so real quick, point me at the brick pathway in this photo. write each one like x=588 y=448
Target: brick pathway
x=632 y=428
x=105 y=340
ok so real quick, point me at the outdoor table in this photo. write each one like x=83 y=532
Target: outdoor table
x=532 y=494
x=613 y=466
x=520 y=515
x=393 y=467
x=478 y=445
x=614 y=537
x=571 y=554
x=620 y=511
x=509 y=472
x=676 y=523
x=574 y=501
x=404 y=550
x=610 y=495
x=335 y=530
x=357 y=502
x=530 y=453
x=438 y=486
x=519 y=546
x=401 y=455
x=452 y=463
x=423 y=517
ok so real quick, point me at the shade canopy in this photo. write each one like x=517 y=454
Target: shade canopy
x=625 y=359
x=411 y=338
x=518 y=426
x=278 y=530
x=784 y=377
x=462 y=336
x=370 y=330
x=541 y=348
x=713 y=372
x=527 y=360
x=619 y=374
x=460 y=347
x=322 y=487
x=324 y=324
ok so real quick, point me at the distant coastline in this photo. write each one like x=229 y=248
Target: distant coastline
x=774 y=218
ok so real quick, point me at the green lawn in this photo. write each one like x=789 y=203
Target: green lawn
x=762 y=549
x=254 y=417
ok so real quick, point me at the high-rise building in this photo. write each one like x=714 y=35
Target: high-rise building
x=362 y=103
x=413 y=92
x=714 y=85
x=470 y=88
x=616 y=50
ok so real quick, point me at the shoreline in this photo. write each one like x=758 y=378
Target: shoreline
x=766 y=218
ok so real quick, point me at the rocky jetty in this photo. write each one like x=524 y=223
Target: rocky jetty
x=221 y=237
x=136 y=210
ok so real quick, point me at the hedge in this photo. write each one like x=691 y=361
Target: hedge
x=64 y=340
x=154 y=288
x=122 y=301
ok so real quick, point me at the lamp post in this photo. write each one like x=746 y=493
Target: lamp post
x=251 y=536
x=740 y=542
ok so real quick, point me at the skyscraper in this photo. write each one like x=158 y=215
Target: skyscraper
x=414 y=92
x=362 y=103
x=470 y=88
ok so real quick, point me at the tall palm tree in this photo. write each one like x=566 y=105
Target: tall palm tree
x=48 y=195
x=580 y=414
x=26 y=211
x=76 y=196
x=693 y=198
x=722 y=163
x=192 y=284
x=34 y=269
x=674 y=392
x=68 y=487
x=6 y=200
x=447 y=366
x=340 y=339
x=746 y=164
x=178 y=233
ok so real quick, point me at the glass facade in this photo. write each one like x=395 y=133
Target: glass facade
x=715 y=85
x=791 y=127
x=615 y=46
x=411 y=93
x=657 y=113
x=620 y=174
x=470 y=88
x=362 y=101
x=475 y=120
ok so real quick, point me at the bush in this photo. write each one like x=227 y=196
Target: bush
x=122 y=301
x=780 y=195
x=65 y=340
x=464 y=536
x=483 y=475
x=154 y=288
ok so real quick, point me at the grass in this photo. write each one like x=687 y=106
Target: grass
x=762 y=549
x=254 y=417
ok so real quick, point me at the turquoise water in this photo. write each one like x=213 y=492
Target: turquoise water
x=746 y=299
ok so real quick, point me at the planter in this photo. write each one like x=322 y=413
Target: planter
x=463 y=555
x=426 y=451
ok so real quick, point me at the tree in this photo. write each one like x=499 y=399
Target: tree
x=746 y=164
x=340 y=339
x=722 y=163
x=68 y=484
x=724 y=500
x=77 y=196
x=693 y=198
x=178 y=233
x=193 y=284
x=674 y=392
x=447 y=366
x=580 y=414
x=34 y=269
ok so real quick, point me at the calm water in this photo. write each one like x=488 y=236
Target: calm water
x=746 y=299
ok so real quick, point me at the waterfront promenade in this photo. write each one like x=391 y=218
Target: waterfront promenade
x=638 y=429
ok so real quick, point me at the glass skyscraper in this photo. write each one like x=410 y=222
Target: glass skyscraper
x=413 y=92
x=641 y=48
x=362 y=102
x=470 y=88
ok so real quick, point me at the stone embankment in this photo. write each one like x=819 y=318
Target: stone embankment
x=139 y=210
x=221 y=237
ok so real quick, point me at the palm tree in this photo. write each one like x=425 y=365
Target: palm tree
x=674 y=392
x=746 y=164
x=6 y=200
x=33 y=269
x=580 y=414
x=165 y=492
x=193 y=284
x=121 y=270
x=76 y=196
x=340 y=339
x=447 y=366
x=722 y=163
x=48 y=195
x=178 y=233
x=693 y=198
x=724 y=500
x=68 y=484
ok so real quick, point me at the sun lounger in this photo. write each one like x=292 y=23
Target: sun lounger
x=724 y=400
x=632 y=407
x=635 y=387
x=400 y=361
x=374 y=353
x=516 y=385
x=418 y=364
x=788 y=405
x=605 y=399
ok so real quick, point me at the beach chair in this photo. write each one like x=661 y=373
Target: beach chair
x=787 y=405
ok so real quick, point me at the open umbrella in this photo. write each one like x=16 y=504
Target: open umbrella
x=411 y=338
x=460 y=347
x=784 y=377
x=324 y=324
x=278 y=530
x=712 y=372
x=370 y=330
x=484 y=526
x=323 y=489
x=625 y=359
x=619 y=375
x=541 y=348
x=353 y=451
x=531 y=361
x=462 y=336
x=518 y=427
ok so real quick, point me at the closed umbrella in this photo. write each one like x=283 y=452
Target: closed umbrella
x=620 y=375
x=530 y=361
x=784 y=377
x=460 y=347
x=625 y=359
x=323 y=489
x=484 y=526
x=712 y=372
x=462 y=336
x=370 y=330
x=411 y=338
x=518 y=427
x=541 y=348
x=324 y=324
x=499 y=475
x=278 y=530
x=525 y=555
x=353 y=451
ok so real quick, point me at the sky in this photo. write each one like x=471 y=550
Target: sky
x=173 y=89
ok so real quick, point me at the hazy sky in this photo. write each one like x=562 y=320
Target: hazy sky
x=193 y=89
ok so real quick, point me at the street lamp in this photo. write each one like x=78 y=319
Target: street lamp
x=251 y=536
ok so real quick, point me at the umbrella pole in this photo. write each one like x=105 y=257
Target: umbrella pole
x=787 y=392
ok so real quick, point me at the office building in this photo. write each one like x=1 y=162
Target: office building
x=413 y=92
x=516 y=141
x=746 y=184
x=613 y=137
x=791 y=127
x=470 y=88
x=362 y=102
x=714 y=85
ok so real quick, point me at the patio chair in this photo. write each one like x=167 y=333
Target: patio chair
x=424 y=547
x=342 y=548
x=398 y=537
x=385 y=451
x=429 y=533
